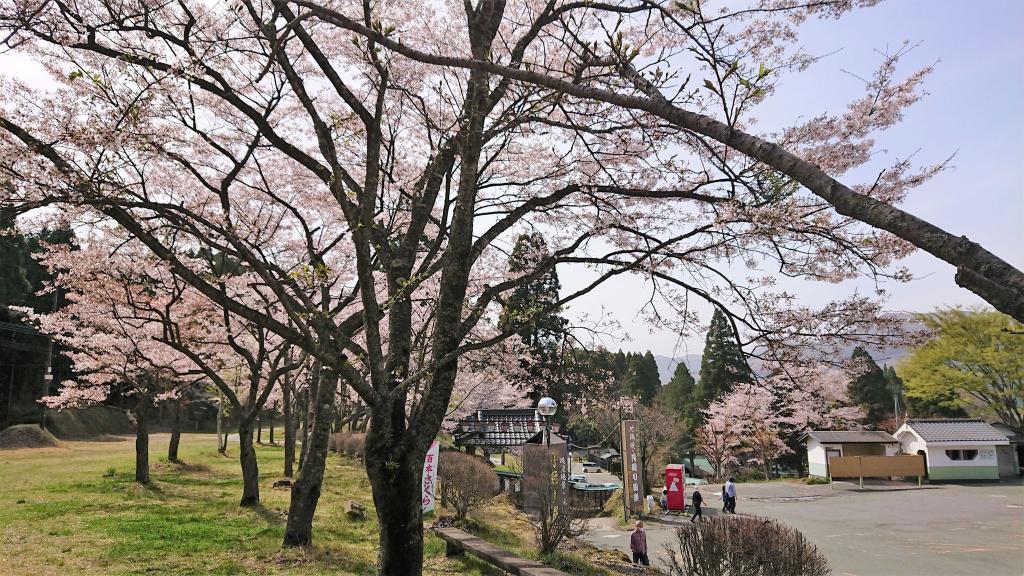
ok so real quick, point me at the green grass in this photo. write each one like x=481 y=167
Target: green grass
x=75 y=509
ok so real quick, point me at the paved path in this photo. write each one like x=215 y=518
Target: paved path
x=939 y=530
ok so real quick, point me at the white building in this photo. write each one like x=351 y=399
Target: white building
x=954 y=448
x=825 y=444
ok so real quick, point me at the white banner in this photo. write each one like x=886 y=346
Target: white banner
x=430 y=477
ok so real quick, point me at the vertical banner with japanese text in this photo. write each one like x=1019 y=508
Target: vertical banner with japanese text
x=632 y=471
x=430 y=477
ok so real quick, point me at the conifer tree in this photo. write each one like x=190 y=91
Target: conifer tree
x=530 y=307
x=723 y=364
x=869 y=387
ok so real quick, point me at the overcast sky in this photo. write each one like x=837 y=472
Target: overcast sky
x=974 y=110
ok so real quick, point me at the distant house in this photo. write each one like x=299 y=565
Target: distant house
x=957 y=448
x=825 y=444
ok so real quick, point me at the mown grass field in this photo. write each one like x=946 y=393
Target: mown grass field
x=75 y=509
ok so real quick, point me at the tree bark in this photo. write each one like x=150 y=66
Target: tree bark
x=250 y=468
x=308 y=406
x=395 y=469
x=142 y=440
x=271 y=416
x=289 y=430
x=259 y=429
x=172 y=448
x=222 y=444
x=306 y=491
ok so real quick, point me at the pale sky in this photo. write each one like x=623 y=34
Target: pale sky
x=974 y=109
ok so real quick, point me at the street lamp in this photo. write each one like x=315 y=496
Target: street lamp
x=547 y=407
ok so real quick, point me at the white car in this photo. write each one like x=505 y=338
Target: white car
x=591 y=467
x=577 y=479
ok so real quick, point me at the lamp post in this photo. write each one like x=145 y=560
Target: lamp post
x=547 y=407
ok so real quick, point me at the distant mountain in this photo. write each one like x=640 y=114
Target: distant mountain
x=883 y=356
x=667 y=365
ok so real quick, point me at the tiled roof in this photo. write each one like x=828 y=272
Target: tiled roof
x=852 y=436
x=955 y=430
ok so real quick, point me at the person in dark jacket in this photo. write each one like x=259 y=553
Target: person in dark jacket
x=697 y=501
x=638 y=544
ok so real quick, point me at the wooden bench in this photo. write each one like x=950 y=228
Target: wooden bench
x=459 y=541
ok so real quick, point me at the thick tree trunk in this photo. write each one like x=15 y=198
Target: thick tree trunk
x=250 y=468
x=142 y=441
x=172 y=448
x=289 y=431
x=395 y=470
x=308 y=407
x=306 y=491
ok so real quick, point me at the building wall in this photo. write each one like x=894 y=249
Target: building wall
x=941 y=467
x=816 y=464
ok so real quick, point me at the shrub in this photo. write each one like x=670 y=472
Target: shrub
x=742 y=545
x=812 y=480
x=464 y=482
x=349 y=443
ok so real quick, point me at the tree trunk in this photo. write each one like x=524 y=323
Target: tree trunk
x=309 y=401
x=222 y=444
x=142 y=440
x=395 y=473
x=259 y=429
x=289 y=431
x=172 y=448
x=271 y=416
x=306 y=491
x=250 y=468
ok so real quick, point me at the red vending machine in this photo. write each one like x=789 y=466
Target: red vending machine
x=675 y=484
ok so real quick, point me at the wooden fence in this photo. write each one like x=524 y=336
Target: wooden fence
x=876 y=467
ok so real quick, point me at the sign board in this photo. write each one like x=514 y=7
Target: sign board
x=430 y=477
x=545 y=476
x=675 y=487
x=632 y=469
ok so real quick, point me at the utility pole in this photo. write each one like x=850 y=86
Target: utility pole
x=48 y=374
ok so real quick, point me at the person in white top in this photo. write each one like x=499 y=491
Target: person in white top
x=730 y=495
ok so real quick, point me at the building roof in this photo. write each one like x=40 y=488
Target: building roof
x=851 y=437
x=498 y=428
x=955 y=430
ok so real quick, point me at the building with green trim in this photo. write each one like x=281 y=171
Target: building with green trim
x=954 y=448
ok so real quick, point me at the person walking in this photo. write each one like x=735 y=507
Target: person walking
x=725 y=499
x=664 y=501
x=698 y=499
x=730 y=494
x=638 y=544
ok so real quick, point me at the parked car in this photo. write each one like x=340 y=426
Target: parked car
x=589 y=466
x=577 y=479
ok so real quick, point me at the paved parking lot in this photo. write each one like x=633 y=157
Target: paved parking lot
x=954 y=530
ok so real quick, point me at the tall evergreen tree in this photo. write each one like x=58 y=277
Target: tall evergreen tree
x=530 y=311
x=678 y=394
x=723 y=365
x=869 y=387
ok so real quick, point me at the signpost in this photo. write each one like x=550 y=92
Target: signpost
x=430 y=477
x=632 y=470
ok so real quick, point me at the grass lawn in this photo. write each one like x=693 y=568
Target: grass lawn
x=75 y=509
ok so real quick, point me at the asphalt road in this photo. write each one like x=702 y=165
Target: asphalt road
x=940 y=530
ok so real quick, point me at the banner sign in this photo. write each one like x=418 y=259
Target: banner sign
x=430 y=477
x=632 y=471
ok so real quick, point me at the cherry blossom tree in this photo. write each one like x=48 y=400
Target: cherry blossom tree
x=111 y=346
x=718 y=440
x=369 y=166
x=763 y=419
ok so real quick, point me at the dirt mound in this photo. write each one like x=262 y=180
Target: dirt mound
x=25 y=436
x=88 y=423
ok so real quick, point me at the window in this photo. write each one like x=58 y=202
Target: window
x=962 y=454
